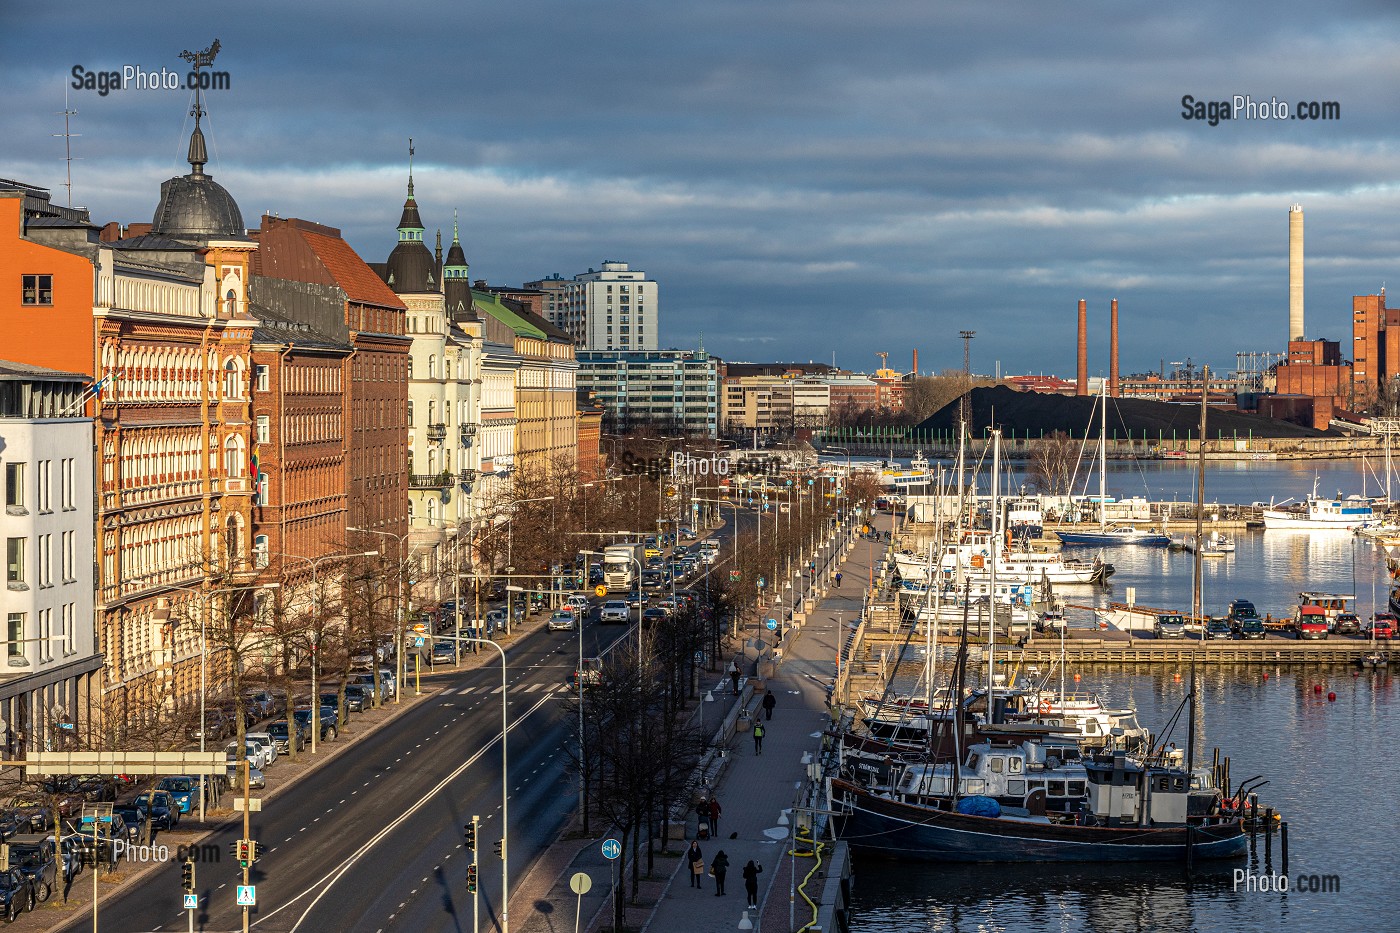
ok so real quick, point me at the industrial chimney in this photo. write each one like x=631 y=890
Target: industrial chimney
x=1295 y=272
x=1113 y=350
x=1081 y=379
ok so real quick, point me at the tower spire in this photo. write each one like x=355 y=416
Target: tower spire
x=455 y=240
x=410 y=168
x=199 y=153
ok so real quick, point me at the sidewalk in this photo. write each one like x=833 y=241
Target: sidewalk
x=755 y=789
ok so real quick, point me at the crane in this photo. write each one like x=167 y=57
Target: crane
x=884 y=359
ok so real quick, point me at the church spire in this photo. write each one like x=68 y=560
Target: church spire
x=410 y=223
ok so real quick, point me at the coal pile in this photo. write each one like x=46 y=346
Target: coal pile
x=1030 y=414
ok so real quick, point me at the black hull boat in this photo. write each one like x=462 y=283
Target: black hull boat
x=878 y=825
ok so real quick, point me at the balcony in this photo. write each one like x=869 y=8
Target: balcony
x=437 y=432
x=467 y=433
x=429 y=480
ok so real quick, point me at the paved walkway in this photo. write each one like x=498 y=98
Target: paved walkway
x=755 y=789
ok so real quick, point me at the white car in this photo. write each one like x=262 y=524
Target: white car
x=576 y=603
x=614 y=610
x=252 y=750
x=269 y=746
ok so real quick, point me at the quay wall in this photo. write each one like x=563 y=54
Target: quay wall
x=904 y=444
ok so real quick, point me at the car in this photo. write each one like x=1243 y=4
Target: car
x=561 y=621
x=215 y=729
x=253 y=751
x=33 y=854
x=256 y=779
x=365 y=679
x=360 y=697
x=495 y=619
x=161 y=808
x=636 y=599
x=444 y=652
x=1346 y=623
x=576 y=602
x=680 y=550
x=264 y=703
x=654 y=616
x=1241 y=609
x=233 y=710
x=1251 y=628
x=672 y=606
x=97 y=840
x=615 y=610
x=329 y=723
x=137 y=821
x=1383 y=627
x=1169 y=626
x=16 y=894
x=1217 y=629
x=653 y=580
x=281 y=734
x=687 y=533
x=354 y=704
x=185 y=790
x=1311 y=623
x=269 y=747
x=654 y=563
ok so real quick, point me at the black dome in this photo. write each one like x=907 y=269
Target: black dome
x=411 y=268
x=195 y=206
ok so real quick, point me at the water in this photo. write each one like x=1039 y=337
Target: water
x=1328 y=763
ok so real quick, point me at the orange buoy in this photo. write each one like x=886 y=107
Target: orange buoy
x=1076 y=678
x=1176 y=678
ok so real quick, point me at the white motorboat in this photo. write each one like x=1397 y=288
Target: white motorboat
x=971 y=556
x=1318 y=514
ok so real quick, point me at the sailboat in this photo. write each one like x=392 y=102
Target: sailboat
x=1116 y=534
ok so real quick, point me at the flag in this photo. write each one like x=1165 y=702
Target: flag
x=255 y=468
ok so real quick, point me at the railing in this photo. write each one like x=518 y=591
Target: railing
x=429 y=480
x=466 y=477
x=466 y=432
x=437 y=432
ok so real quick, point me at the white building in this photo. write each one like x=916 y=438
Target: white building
x=612 y=308
x=49 y=683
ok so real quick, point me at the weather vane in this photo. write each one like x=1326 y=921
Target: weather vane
x=197 y=60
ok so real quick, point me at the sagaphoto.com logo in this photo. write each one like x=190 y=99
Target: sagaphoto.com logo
x=199 y=77
x=1245 y=107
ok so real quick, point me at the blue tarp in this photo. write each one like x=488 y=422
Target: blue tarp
x=979 y=806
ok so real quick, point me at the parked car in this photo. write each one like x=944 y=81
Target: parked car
x=33 y=854
x=136 y=819
x=185 y=790
x=281 y=734
x=495 y=619
x=269 y=747
x=1169 y=626
x=329 y=728
x=1346 y=623
x=687 y=533
x=161 y=808
x=256 y=779
x=354 y=704
x=215 y=728
x=1217 y=629
x=562 y=621
x=16 y=894
x=97 y=842
x=359 y=697
x=1241 y=609
x=444 y=652
x=614 y=610
x=232 y=710
x=253 y=751
x=1383 y=627
x=365 y=679
x=1252 y=628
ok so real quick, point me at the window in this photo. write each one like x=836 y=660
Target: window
x=260 y=372
x=233 y=387
x=45 y=635
x=69 y=558
x=233 y=457
x=994 y=764
x=38 y=290
x=264 y=434
x=44 y=477
x=14 y=485
x=66 y=632
x=260 y=551
x=410 y=413
x=14 y=634
x=14 y=562
x=68 y=501
x=45 y=560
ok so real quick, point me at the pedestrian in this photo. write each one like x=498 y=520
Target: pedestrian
x=751 y=873
x=717 y=868
x=758 y=738
x=734 y=675
x=697 y=863
x=714 y=816
x=769 y=701
x=702 y=826
x=838 y=579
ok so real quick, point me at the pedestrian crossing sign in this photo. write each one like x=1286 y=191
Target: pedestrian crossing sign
x=247 y=895
x=192 y=902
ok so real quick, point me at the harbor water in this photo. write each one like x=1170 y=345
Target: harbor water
x=1328 y=762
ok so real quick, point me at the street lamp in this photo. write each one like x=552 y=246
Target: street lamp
x=510 y=542
x=399 y=607
x=204 y=657
x=639 y=603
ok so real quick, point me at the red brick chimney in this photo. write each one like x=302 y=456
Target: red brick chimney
x=1081 y=379
x=916 y=361
x=1113 y=389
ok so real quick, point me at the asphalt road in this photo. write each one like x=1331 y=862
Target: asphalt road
x=373 y=841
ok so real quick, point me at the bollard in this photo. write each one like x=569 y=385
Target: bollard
x=1268 y=844
x=1283 y=844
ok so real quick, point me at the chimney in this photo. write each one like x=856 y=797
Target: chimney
x=1113 y=350
x=1081 y=379
x=916 y=361
x=1295 y=273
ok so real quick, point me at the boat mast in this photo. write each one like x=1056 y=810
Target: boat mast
x=995 y=543
x=1103 y=455
x=1196 y=570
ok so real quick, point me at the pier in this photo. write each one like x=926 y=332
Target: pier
x=903 y=443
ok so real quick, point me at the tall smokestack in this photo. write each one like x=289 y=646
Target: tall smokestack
x=1081 y=379
x=1295 y=273
x=916 y=361
x=1113 y=350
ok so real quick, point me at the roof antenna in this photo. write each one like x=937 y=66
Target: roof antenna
x=67 y=112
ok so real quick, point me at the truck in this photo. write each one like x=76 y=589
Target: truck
x=620 y=563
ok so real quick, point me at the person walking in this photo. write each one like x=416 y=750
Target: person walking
x=697 y=863
x=718 y=868
x=751 y=873
x=734 y=675
x=702 y=816
x=714 y=816
x=758 y=738
x=838 y=579
x=769 y=701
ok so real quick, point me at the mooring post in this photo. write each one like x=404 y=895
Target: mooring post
x=1283 y=844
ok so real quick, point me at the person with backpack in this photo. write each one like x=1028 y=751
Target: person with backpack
x=769 y=701
x=758 y=738
x=751 y=872
x=718 y=868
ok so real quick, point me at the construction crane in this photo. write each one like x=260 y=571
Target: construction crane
x=884 y=359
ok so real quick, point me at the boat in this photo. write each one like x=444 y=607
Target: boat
x=1025 y=519
x=1123 y=533
x=917 y=475
x=1131 y=617
x=971 y=556
x=1214 y=545
x=1317 y=514
x=1374 y=659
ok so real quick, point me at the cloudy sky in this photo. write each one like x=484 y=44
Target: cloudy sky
x=802 y=178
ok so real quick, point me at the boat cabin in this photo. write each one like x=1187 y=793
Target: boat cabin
x=1331 y=604
x=1123 y=792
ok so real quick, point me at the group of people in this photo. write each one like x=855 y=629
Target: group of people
x=719 y=867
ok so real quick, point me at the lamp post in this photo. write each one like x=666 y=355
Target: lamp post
x=399 y=607
x=639 y=601
x=315 y=563
x=204 y=658
x=510 y=545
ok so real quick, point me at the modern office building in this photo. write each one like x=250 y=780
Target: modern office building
x=614 y=307
x=673 y=391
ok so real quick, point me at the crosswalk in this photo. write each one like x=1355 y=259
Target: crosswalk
x=484 y=690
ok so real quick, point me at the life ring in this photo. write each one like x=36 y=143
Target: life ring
x=1045 y=706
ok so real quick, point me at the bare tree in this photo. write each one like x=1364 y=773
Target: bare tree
x=1052 y=462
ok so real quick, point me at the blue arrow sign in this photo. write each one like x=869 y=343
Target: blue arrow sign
x=772 y=625
x=611 y=848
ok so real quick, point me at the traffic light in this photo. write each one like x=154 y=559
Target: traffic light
x=470 y=831
x=255 y=850
x=471 y=879
x=500 y=846
x=240 y=849
x=187 y=876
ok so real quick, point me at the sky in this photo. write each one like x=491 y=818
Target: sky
x=802 y=177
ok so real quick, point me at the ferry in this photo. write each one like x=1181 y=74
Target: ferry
x=917 y=475
x=1317 y=514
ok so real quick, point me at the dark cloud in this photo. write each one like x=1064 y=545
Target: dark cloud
x=801 y=177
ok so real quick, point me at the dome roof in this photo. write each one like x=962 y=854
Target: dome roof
x=411 y=268
x=455 y=256
x=195 y=206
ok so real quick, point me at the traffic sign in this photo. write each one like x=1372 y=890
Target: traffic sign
x=247 y=895
x=417 y=642
x=600 y=591
x=580 y=883
x=772 y=625
x=192 y=902
x=611 y=848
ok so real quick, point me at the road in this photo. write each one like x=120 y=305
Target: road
x=373 y=841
